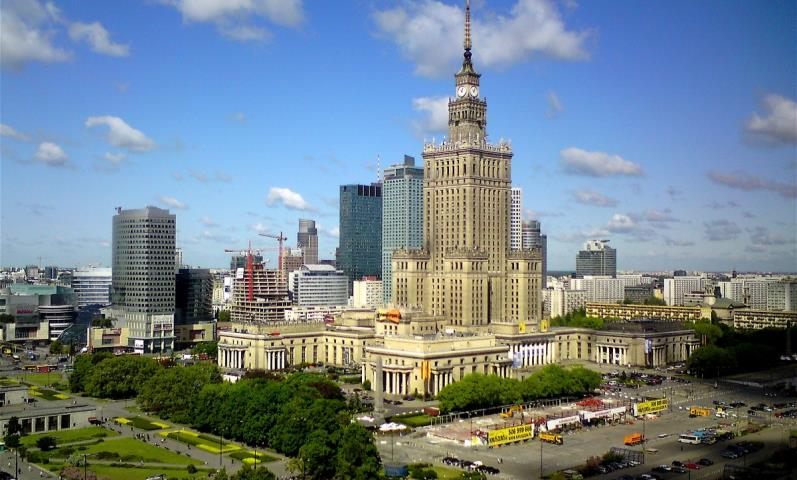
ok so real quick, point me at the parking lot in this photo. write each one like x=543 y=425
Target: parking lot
x=522 y=460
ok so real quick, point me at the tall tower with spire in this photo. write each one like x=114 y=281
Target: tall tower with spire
x=466 y=271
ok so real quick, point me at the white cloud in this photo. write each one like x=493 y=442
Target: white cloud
x=172 y=202
x=98 y=37
x=7 y=131
x=435 y=114
x=430 y=33
x=239 y=117
x=536 y=214
x=208 y=222
x=26 y=34
x=329 y=232
x=177 y=176
x=114 y=158
x=589 y=197
x=122 y=135
x=658 y=216
x=762 y=236
x=780 y=123
x=554 y=105
x=749 y=183
x=223 y=177
x=51 y=154
x=597 y=164
x=287 y=198
x=720 y=230
x=198 y=176
x=674 y=242
x=234 y=18
x=620 y=223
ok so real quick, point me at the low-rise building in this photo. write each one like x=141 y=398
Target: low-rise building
x=47 y=419
x=632 y=312
x=748 y=318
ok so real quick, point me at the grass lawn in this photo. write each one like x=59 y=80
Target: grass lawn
x=248 y=456
x=127 y=473
x=204 y=441
x=42 y=379
x=63 y=437
x=46 y=394
x=141 y=422
x=447 y=473
x=413 y=420
x=130 y=450
x=5 y=381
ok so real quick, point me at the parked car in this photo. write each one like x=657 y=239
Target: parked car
x=705 y=462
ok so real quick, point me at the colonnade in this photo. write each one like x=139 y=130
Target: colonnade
x=532 y=354
x=232 y=358
x=275 y=360
x=613 y=355
x=396 y=383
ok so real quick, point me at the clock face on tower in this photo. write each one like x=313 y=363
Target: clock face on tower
x=474 y=91
x=462 y=90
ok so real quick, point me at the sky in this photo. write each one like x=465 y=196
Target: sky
x=668 y=127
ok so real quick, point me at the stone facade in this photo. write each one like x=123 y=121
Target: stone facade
x=630 y=312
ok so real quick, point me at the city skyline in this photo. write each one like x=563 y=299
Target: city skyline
x=104 y=115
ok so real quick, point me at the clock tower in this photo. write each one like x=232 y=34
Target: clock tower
x=467 y=112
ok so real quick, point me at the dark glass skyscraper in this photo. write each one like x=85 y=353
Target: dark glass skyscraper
x=360 y=251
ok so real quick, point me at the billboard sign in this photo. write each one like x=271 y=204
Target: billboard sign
x=502 y=436
x=651 y=406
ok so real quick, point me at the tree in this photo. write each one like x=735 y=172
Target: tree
x=56 y=347
x=210 y=349
x=102 y=322
x=357 y=457
x=13 y=426
x=318 y=456
x=248 y=473
x=367 y=385
x=11 y=440
x=120 y=377
x=170 y=392
x=707 y=361
x=223 y=316
x=6 y=318
x=45 y=443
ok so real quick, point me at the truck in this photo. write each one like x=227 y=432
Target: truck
x=431 y=411
x=510 y=412
x=633 y=439
x=554 y=438
x=699 y=412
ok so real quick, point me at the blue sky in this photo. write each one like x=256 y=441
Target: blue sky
x=668 y=127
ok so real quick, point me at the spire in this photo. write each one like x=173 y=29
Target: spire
x=467 y=25
x=467 y=32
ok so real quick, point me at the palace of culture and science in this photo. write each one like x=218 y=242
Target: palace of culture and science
x=464 y=302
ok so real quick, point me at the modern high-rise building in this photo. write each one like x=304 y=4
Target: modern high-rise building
x=677 y=287
x=239 y=261
x=466 y=271
x=143 y=281
x=92 y=286
x=402 y=214
x=319 y=285
x=307 y=240
x=292 y=260
x=531 y=237
x=515 y=228
x=360 y=251
x=597 y=258
x=193 y=296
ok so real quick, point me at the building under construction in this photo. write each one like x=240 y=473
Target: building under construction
x=267 y=300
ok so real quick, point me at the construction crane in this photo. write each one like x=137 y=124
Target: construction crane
x=250 y=276
x=281 y=239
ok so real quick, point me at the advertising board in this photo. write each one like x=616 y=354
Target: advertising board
x=509 y=435
x=651 y=406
